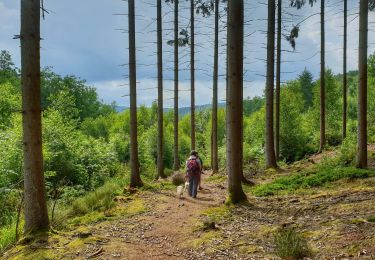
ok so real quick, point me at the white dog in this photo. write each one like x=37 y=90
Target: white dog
x=182 y=188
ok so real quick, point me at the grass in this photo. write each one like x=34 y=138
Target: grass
x=316 y=177
x=290 y=245
x=100 y=199
x=8 y=235
x=371 y=219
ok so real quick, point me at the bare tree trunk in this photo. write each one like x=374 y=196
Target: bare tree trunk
x=278 y=76
x=160 y=91
x=135 y=178
x=362 y=85
x=345 y=82
x=214 y=144
x=192 y=75
x=235 y=101
x=270 y=148
x=322 y=80
x=36 y=215
x=176 y=165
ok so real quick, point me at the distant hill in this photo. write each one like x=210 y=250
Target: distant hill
x=182 y=110
x=119 y=109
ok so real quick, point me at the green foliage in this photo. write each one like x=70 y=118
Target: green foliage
x=290 y=245
x=251 y=106
x=306 y=85
x=10 y=100
x=318 y=176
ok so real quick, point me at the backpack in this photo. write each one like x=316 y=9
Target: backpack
x=193 y=166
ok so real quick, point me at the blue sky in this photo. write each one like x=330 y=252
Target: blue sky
x=81 y=38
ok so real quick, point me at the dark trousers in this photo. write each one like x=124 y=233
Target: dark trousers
x=193 y=185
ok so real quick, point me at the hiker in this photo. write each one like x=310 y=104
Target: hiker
x=193 y=172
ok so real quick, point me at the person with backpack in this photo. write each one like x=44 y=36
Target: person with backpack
x=193 y=172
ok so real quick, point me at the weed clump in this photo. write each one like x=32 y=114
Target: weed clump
x=290 y=245
x=178 y=179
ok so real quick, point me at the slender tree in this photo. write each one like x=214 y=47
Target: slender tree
x=270 y=148
x=176 y=165
x=278 y=77
x=192 y=73
x=214 y=144
x=362 y=85
x=344 y=77
x=161 y=173
x=322 y=79
x=234 y=123
x=36 y=216
x=298 y=4
x=135 y=178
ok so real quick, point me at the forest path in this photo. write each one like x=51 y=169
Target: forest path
x=161 y=232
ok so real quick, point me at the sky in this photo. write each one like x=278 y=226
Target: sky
x=88 y=38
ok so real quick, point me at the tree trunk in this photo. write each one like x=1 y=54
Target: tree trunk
x=362 y=85
x=235 y=101
x=322 y=80
x=36 y=216
x=176 y=164
x=160 y=92
x=135 y=178
x=345 y=82
x=278 y=77
x=192 y=75
x=214 y=144
x=270 y=148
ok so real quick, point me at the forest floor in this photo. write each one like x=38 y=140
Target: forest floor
x=337 y=221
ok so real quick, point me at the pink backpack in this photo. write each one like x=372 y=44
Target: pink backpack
x=193 y=166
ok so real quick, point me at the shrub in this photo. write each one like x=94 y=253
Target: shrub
x=290 y=245
x=178 y=179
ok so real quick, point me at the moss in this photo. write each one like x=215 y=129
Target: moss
x=76 y=243
x=40 y=254
x=217 y=213
x=205 y=238
x=92 y=217
x=133 y=207
x=217 y=178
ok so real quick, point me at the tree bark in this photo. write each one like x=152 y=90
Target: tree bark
x=214 y=144
x=235 y=101
x=161 y=173
x=176 y=164
x=345 y=82
x=192 y=75
x=362 y=85
x=278 y=77
x=135 y=178
x=36 y=215
x=322 y=80
x=270 y=148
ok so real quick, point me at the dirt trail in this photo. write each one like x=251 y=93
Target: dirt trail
x=159 y=233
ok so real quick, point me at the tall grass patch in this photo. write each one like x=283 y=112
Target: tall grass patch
x=290 y=245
